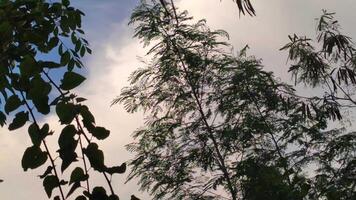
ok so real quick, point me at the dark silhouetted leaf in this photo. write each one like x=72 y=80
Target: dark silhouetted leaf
x=47 y=172
x=75 y=186
x=65 y=58
x=78 y=175
x=19 y=121
x=67 y=146
x=100 y=133
x=81 y=197
x=71 y=80
x=33 y=158
x=2 y=119
x=117 y=170
x=113 y=197
x=95 y=156
x=66 y=112
x=49 y=183
x=133 y=197
x=98 y=193
x=12 y=103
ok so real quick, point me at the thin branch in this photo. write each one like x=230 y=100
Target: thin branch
x=201 y=111
x=80 y=129
x=270 y=132
x=84 y=163
x=45 y=145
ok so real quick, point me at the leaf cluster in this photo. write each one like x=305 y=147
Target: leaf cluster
x=218 y=121
x=31 y=33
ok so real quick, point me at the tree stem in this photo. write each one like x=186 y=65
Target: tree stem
x=45 y=145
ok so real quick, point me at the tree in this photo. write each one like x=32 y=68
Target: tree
x=328 y=64
x=245 y=6
x=30 y=31
x=218 y=126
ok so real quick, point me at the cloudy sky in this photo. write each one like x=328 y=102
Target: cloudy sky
x=115 y=55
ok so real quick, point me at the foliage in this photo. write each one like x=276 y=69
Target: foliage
x=32 y=32
x=219 y=126
x=245 y=6
x=329 y=65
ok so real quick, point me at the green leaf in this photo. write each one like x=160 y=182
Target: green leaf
x=95 y=156
x=5 y=29
x=66 y=112
x=65 y=3
x=75 y=186
x=88 y=118
x=47 y=172
x=71 y=65
x=65 y=58
x=12 y=103
x=41 y=104
x=78 y=175
x=99 y=193
x=71 y=80
x=19 y=121
x=82 y=51
x=3 y=82
x=50 y=65
x=39 y=91
x=81 y=197
x=67 y=136
x=133 y=197
x=33 y=158
x=35 y=134
x=2 y=119
x=67 y=146
x=117 y=170
x=78 y=45
x=89 y=50
x=113 y=197
x=53 y=42
x=49 y=183
x=100 y=133
x=86 y=114
x=29 y=67
x=80 y=99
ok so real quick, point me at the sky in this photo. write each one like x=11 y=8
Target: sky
x=116 y=54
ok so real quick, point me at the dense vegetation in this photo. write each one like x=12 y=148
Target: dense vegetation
x=220 y=127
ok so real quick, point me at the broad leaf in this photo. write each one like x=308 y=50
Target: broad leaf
x=95 y=156
x=67 y=146
x=71 y=80
x=33 y=158
x=12 y=103
x=78 y=175
x=100 y=133
x=2 y=119
x=19 y=121
x=66 y=112
x=49 y=183
x=117 y=170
